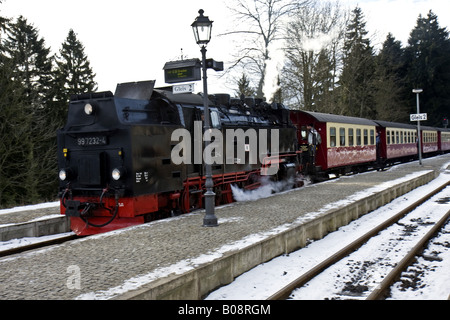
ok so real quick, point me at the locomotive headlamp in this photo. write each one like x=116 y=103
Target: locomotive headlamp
x=89 y=109
x=118 y=173
x=66 y=174
x=62 y=175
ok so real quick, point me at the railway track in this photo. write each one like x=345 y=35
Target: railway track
x=360 y=290
x=39 y=243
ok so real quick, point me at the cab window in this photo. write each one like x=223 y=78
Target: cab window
x=215 y=119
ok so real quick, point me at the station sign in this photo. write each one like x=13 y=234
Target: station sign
x=183 y=88
x=182 y=71
x=419 y=117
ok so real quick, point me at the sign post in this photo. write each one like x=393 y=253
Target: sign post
x=417 y=118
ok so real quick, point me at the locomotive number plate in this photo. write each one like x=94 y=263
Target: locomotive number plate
x=92 y=141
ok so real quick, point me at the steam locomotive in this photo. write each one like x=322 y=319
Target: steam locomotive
x=138 y=154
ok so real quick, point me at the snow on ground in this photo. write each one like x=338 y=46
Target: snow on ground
x=429 y=277
x=30 y=207
x=16 y=243
x=266 y=279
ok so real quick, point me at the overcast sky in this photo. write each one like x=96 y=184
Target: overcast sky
x=131 y=40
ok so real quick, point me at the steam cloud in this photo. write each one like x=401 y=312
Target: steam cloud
x=267 y=188
x=273 y=68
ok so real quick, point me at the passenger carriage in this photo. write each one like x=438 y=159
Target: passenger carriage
x=398 y=141
x=347 y=142
x=429 y=140
x=444 y=140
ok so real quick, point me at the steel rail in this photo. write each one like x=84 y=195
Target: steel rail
x=284 y=293
x=381 y=289
x=37 y=245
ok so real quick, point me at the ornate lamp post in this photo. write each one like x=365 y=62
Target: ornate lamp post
x=202 y=31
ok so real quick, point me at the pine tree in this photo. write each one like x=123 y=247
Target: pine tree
x=390 y=82
x=29 y=73
x=323 y=78
x=73 y=75
x=14 y=136
x=73 y=71
x=357 y=75
x=244 y=87
x=428 y=55
x=32 y=63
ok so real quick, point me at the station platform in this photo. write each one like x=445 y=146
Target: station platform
x=178 y=258
x=29 y=213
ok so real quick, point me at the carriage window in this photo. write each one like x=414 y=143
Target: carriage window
x=388 y=135
x=372 y=137
x=342 y=137
x=397 y=137
x=350 y=137
x=358 y=137
x=446 y=137
x=332 y=137
x=366 y=137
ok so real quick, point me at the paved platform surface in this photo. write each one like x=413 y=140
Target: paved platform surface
x=28 y=213
x=105 y=266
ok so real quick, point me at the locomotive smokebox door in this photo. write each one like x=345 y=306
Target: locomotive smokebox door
x=135 y=90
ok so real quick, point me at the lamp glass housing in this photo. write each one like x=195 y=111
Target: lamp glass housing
x=202 y=27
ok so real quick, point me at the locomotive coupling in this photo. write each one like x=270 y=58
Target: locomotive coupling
x=72 y=208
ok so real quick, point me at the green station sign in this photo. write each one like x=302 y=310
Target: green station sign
x=182 y=71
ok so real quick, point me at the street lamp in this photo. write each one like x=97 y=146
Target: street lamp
x=202 y=31
x=417 y=92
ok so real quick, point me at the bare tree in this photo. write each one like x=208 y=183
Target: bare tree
x=262 y=22
x=313 y=54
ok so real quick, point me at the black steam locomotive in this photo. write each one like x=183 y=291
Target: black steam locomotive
x=133 y=156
